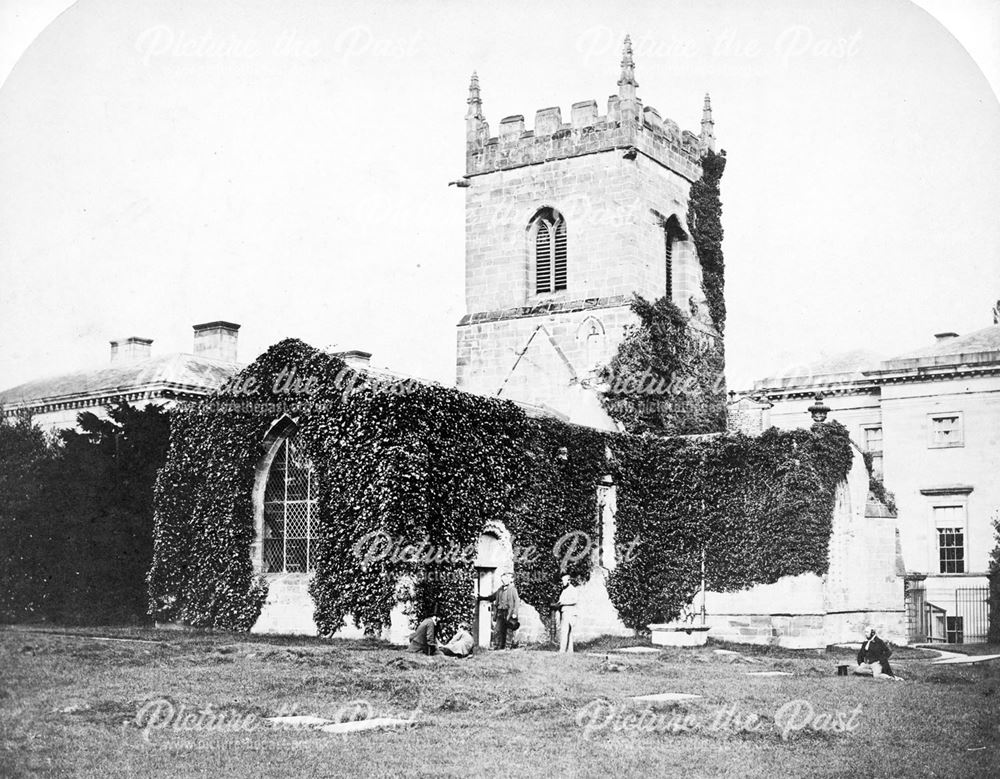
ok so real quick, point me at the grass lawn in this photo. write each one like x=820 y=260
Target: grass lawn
x=69 y=706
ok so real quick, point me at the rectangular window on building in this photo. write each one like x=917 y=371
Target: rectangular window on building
x=949 y=522
x=954 y=630
x=873 y=445
x=951 y=549
x=946 y=430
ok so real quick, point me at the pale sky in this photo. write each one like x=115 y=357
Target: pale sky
x=285 y=166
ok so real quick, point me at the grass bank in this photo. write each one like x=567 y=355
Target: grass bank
x=180 y=705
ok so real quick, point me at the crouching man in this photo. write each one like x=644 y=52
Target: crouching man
x=423 y=640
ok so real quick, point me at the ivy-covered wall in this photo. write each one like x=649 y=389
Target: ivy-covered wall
x=760 y=508
x=429 y=467
x=425 y=465
x=663 y=378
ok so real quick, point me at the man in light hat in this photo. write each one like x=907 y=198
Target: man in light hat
x=568 y=599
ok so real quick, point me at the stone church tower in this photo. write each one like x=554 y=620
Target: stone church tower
x=563 y=223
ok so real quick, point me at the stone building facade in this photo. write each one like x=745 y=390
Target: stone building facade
x=564 y=223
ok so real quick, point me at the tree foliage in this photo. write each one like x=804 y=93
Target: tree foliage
x=25 y=571
x=77 y=515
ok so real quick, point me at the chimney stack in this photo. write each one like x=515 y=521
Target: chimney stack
x=131 y=349
x=355 y=358
x=216 y=340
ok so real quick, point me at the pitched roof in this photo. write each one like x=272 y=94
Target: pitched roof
x=831 y=369
x=981 y=346
x=184 y=373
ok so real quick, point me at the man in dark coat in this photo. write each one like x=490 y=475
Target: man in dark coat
x=506 y=604
x=423 y=639
x=875 y=653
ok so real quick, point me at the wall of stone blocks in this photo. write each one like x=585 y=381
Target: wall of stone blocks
x=616 y=244
x=864 y=584
x=792 y=631
x=597 y=615
x=496 y=355
x=787 y=613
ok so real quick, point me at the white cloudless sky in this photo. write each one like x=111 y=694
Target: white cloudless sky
x=285 y=166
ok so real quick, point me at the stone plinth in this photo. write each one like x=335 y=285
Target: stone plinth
x=679 y=634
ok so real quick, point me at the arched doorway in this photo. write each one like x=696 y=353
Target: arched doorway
x=494 y=557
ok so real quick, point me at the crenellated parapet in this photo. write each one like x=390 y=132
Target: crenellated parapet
x=626 y=125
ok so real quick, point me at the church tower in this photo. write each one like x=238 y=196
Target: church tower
x=563 y=223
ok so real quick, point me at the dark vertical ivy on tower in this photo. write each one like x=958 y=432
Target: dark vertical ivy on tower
x=705 y=222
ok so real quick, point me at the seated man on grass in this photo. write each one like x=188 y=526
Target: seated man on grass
x=875 y=654
x=461 y=644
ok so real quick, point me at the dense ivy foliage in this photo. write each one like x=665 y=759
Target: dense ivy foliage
x=411 y=476
x=556 y=522
x=665 y=379
x=201 y=572
x=76 y=516
x=704 y=218
x=428 y=469
x=760 y=508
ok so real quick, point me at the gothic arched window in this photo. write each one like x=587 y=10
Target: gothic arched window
x=672 y=233
x=547 y=234
x=289 y=532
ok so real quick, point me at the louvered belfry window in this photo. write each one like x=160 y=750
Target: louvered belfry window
x=550 y=251
x=290 y=513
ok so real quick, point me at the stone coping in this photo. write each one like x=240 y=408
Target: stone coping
x=542 y=309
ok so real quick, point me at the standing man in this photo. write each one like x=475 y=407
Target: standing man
x=423 y=639
x=568 y=600
x=506 y=604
